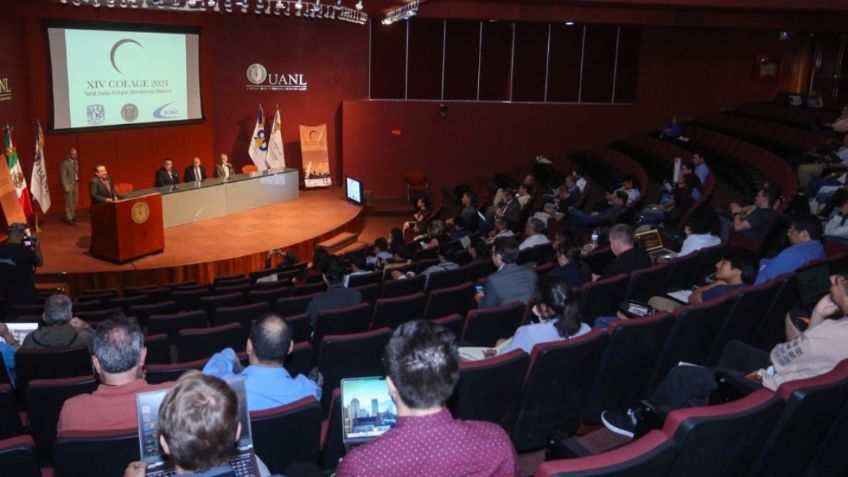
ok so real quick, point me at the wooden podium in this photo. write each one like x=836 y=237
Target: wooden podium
x=127 y=229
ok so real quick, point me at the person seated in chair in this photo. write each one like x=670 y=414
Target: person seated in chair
x=511 y=282
x=267 y=382
x=751 y=220
x=223 y=168
x=702 y=232
x=336 y=296
x=628 y=256
x=118 y=359
x=198 y=428
x=196 y=172
x=61 y=327
x=422 y=368
x=580 y=220
x=167 y=175
x=805 y=354
x=534 y=234
x=805 y=246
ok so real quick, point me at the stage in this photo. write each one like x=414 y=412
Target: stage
x=234 y=244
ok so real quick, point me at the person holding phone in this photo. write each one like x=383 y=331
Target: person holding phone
x=19 y=257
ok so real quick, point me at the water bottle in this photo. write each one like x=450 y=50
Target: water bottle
x=595 y=236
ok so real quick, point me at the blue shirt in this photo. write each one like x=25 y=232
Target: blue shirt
x=720 y=290
x=702 y=171
x=790 y=259
x=266 y=386
x=8 y=352
x=528 y=336
x=570 y=274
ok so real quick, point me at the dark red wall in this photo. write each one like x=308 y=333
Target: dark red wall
x=681 y=71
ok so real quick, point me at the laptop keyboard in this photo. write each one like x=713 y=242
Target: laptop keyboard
x=242 y=466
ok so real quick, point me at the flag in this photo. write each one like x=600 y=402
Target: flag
x=40 y=191
x=258 y=150
x=18 y=178
x=276 y=156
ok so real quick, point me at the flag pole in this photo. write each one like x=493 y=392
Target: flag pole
x=37 y=228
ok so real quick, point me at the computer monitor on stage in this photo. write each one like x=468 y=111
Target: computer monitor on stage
x=354 y=190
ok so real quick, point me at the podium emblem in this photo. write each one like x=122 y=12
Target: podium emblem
x=140 y=212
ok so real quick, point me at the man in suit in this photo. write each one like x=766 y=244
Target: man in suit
x=101 y=187
x=167 y=175
x=69 y=169
x=195 y=172
x=511 y=208
x=223 y=168
x=336 y=296
x=511 y=282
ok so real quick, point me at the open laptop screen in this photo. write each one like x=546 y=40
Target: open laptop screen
x=651 y=240
x=367 y=409
x=21 y=329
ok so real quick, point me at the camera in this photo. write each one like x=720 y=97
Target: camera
x=29 y=241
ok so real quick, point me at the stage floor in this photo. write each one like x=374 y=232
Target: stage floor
x=314 y=214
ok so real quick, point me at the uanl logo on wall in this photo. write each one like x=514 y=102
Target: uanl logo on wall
x=5 y=89
x=261 y=80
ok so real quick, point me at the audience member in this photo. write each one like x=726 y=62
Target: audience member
x=835 y=159
x=60 y=328
x=167 y=175
x=629 y=188
x=674 y=129
x=805 y=246
x=752 y=219
x=7 y=350
x=510 y=209
x=736 y=270
x=524 y=194
x=267 y=382
x=628 y=256
x=423 y=211
x=358 y=266
x=579 y=179
x=534 y=233
x=569 y=265
x=701 y=170
x=380 y=254
x=118 y=359
x=805 y=354
x=446 y=262
x=18 y=262
x=198 y=427
x=397 y=245
x=701 y=232
x=558 y=319
x=422 y=367
x=501 y=230
x=336 y=296
x=836 y=226
x=581 y=220
x=671 y=211
x=459 y=229
x=840 y=124
x=511 y=282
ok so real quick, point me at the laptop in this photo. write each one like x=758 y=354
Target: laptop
x=367 y=410
x=158 y=464
x=652 y=243
x=21 y=329
x=813 y=283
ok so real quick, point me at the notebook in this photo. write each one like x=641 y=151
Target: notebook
x=158 y=464
x=813 y=283
x=21 y=329
x=652 y=243
x=367 y=409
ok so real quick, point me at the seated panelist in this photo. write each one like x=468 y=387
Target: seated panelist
x=223 y=168
x=167 y=175
x=195 y=172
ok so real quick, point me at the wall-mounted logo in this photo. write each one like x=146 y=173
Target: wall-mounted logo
x=129 y=112
x=166 y=111
x=95 y=114
x=5 y=89
x=114 y=50
x=261 y=80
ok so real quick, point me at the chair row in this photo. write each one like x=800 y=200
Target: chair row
x=781 y=139
x=791 y=115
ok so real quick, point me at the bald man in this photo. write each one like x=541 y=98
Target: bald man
x=69 y=169
x=195 y=172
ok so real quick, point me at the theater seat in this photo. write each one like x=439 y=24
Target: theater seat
x=163 y=373
x=485 y=326
x=723 y=439
x=78 y=453
x=332 y=445
x=202 y=343
x=40 y=363
x=340 y=321
x=286 y=434
x=556 y=388
x=407 y=286
x=300 y=360
x=648 y=456
x=488 y=389
x=602 y=297
x=393 y=312
x=171 y=323
x=351 y=356
x=446 y=301
x=10 y=421
x=17 y=457
x=45 y=398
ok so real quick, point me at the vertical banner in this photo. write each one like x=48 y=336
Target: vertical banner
x=313 y=151
x=276 y=158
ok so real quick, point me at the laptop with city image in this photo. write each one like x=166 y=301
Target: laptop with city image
x=158 y=463
x=367 y=409
x=21 y=329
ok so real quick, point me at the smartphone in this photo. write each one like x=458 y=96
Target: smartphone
x=480 y=289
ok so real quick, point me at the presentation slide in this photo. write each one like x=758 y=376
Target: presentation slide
x=121 y=77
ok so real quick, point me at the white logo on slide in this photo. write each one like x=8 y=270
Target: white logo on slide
x=96 y=114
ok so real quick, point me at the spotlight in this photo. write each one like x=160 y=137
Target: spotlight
x=358 y=5
x=338 y=3
x=298 y=5
x=569 y=23
x=95 y=3
x=110 y=3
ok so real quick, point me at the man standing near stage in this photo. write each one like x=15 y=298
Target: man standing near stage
x=69 y=169
x=101 y=187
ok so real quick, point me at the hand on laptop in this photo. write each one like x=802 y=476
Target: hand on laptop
x=135 y=469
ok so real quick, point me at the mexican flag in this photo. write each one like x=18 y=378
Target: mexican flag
x=18 y=178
